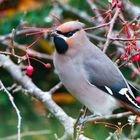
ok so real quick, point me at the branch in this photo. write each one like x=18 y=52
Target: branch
x=29 y=133
x=81 y=14
x=92 y=5
x=15 y=107
x=112 y=22
x=31 y=52
x=33 y=90
x=129 y=58
x=46 y=98
x=113 y=116
x=17 y=33
x=102 y=39
x=56 y=87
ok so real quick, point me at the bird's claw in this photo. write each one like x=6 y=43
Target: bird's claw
x=85 y=119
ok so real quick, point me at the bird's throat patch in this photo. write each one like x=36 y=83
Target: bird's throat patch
x=60 y=45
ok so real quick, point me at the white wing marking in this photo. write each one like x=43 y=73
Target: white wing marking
x=109 y=90
x=124 y=91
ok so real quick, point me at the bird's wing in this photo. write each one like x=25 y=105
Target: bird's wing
x=102 y=73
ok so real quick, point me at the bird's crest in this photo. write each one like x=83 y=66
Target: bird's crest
x=70 y=26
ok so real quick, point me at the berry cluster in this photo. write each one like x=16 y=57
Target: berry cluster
x=39 y=34
x=128 y=32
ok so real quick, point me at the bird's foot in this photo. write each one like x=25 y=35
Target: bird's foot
x=87 y=118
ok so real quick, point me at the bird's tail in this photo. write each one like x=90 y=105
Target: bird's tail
x=135 y=110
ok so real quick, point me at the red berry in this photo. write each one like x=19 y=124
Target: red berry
x=94 y=8
x=128 y=48
x=29 y=70
x=138 y=99
x=124 y=56
x=119 y=5
x=132 y=25
x=48 y=65
x=136 y=58
x=137 y=48
x=137 y=26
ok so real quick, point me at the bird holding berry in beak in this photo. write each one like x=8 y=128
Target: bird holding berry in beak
x=89 y=74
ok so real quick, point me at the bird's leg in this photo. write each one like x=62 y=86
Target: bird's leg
x=78 y=127
x=86 y=118
x=81 y=120
x=81 y=115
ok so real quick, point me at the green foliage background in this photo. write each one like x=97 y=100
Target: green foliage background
x=43 y=78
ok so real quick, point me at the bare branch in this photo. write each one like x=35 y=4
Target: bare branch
x=92 y=5
x=129 y=58
x=15 y=107
x=81 y=14
x=18 y=33
x=56 y=87
x=31 y=52
x=112 y=22
x=33 y=90
x=113 y=116
x=29 y=133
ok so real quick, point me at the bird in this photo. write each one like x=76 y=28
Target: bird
x=88 y=73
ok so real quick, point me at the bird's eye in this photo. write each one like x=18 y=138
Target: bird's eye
x=69 y=34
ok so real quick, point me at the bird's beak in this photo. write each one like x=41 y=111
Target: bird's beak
x=54 y=34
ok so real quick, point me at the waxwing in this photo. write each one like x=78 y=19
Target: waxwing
x=89 y=74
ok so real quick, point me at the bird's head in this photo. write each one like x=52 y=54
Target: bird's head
x=68 y=36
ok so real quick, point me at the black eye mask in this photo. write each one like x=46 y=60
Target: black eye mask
x=67 y=34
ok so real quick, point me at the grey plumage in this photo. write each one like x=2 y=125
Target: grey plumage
x=102 y=74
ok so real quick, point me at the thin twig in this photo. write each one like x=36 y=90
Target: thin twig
x=112 y=22
x=97 y=27
x=15 y=107
x=31 y=52
x=79 y=127
x=12 y=41
x=33 y=90
x=129 y=58
x=29 y=133
x=81 y=14
x=18 y=33
x=113 y=116
x=56 y=87
x=92 y=5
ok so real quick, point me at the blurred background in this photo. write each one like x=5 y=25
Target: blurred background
x=37 y=121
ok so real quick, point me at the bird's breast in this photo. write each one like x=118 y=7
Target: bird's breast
x=70 y=72
x=73 y=78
